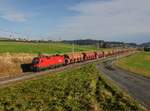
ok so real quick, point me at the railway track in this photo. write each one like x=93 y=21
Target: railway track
x=29 y=75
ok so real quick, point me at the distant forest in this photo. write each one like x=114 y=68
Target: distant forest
x=101 y=43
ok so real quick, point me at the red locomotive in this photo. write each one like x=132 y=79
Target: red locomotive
x=48 y=62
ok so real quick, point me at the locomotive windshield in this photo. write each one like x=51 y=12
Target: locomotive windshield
x=35 y=61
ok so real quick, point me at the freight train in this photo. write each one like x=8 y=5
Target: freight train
x=48 y=62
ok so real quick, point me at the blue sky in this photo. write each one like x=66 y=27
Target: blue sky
x=115 y=20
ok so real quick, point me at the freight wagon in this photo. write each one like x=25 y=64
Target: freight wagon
x=89 y=55
x=73 y=58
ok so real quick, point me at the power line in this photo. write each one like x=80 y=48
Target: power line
x=11 y=34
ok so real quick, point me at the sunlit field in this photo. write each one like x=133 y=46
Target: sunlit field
x=138 y=63
x=50 y=48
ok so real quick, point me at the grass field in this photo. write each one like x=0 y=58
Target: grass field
x=77 y=89
x=138 y=63
x=23 y=47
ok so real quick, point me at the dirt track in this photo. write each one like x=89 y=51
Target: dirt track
x=136 y=85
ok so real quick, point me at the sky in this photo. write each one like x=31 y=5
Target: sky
x=110 y=20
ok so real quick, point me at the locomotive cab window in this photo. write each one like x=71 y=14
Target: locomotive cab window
x=35 y=61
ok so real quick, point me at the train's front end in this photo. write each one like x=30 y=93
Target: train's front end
x=47 y=62
x=35 y=66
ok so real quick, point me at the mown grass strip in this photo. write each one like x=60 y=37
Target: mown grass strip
x=138 y=63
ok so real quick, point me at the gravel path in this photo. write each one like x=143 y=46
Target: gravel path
x=136 y=85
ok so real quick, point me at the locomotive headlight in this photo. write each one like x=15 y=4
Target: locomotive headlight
x=59 y=60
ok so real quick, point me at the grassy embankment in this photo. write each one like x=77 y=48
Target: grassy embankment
x=77 y=89
x=138 y=63
x=11 y=64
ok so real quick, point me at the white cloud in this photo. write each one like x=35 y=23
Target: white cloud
x=14 y=17
x=105 y=20
x=8 y=12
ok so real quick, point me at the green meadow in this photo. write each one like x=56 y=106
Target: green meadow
x=138 y=63
x=24 y=47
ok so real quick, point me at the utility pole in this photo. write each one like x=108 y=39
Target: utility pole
x=73 y=47
x=49 y=42
x=59 y=39
x=97 y=45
